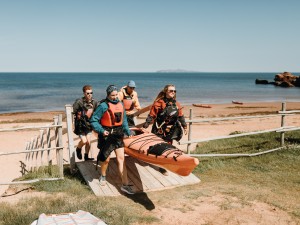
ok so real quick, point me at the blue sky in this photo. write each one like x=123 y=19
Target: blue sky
x=146 y=36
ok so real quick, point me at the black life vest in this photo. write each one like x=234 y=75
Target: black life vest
x=169 y=114
x=85 y=109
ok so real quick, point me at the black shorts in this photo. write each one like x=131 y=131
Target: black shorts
x=110 y=143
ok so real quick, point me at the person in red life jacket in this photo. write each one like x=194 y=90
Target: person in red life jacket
x=110 y=122
x=83 y=109
x=130 y=100
x=167 y=117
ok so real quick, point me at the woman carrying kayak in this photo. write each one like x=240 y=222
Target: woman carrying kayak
x=167 y=116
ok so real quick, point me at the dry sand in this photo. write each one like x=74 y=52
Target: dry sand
x=13 y=141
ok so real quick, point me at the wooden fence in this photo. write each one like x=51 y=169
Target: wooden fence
x=38 y=146
x=282 y=129
x=69 y=116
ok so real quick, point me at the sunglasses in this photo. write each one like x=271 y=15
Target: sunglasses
x=132 y=87
x=172 y=91
x=89 y=93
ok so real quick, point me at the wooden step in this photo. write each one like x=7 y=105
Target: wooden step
x=144 y=177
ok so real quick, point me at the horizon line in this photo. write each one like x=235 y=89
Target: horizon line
x=146 y=72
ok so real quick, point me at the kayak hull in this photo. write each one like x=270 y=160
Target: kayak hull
x=141 y=147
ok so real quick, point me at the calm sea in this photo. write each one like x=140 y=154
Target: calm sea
x=21 y=92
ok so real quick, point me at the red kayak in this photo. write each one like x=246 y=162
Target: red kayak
x=201 y=105
x=236 y=102
x=152 y=149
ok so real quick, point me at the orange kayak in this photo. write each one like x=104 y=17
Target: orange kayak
x=152 y=149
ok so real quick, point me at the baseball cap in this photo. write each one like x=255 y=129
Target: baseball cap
x=131 y=83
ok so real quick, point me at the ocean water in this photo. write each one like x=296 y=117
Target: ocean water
x=21 y=92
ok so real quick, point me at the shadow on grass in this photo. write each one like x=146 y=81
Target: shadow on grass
x=142 y=199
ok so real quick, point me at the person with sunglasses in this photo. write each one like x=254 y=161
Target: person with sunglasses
x=83 y=109
x=130 y=100
x=167 y=117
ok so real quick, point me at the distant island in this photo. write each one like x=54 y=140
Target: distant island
x=176 y=71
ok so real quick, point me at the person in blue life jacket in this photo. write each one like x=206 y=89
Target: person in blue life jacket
x=83 y=109
x=110 y=122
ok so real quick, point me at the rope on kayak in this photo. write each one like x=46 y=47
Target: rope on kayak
x=146 y=140
x=176 y=152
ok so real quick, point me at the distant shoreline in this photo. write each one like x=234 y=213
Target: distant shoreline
x=215 y=110
x=178 y=71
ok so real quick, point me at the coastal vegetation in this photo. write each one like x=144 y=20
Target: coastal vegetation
x=271 y=178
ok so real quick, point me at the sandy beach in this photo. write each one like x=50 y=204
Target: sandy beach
x=12 y=141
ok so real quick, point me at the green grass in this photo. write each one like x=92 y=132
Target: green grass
x=272 y=178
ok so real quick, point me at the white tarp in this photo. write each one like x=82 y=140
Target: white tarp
x=80 y=218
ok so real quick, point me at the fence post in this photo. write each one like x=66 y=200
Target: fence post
x=48 y=141
x=283 y=108
x=60 y=159
x=69 y=110
x=190 y=131
x=27 y=155
x=55 y=119
x=36 y=153
x=42 y=145
x=31 y=154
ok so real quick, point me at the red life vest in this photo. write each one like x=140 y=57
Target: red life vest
x=128 y=103
x=127 y=100
x=113 y=116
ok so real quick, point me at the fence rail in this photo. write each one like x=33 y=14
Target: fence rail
x=36 y=147
x=282 y=113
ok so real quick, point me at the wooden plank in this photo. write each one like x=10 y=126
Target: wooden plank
x=110 y=186
x=157 y=175
x=171 y=179
x=113 y=175
x=146 y=177
x=143 y=176
x=88 y=177
x=91 y=176
x=133 y=174
x=177 y=178
x=191 y=179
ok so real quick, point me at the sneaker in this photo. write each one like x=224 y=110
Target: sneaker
x=78 y=153
x=127 y=189
x=163 y=171
x=102 y=180
x=86 y=157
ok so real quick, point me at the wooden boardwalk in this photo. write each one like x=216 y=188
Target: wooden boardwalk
x=142 y=176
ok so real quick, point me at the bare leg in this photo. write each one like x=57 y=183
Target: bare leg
x=104 y=166
x=82 y=142
x=121 y=165
x=88 y=144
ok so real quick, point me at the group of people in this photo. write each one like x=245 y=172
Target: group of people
x=111 y=118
